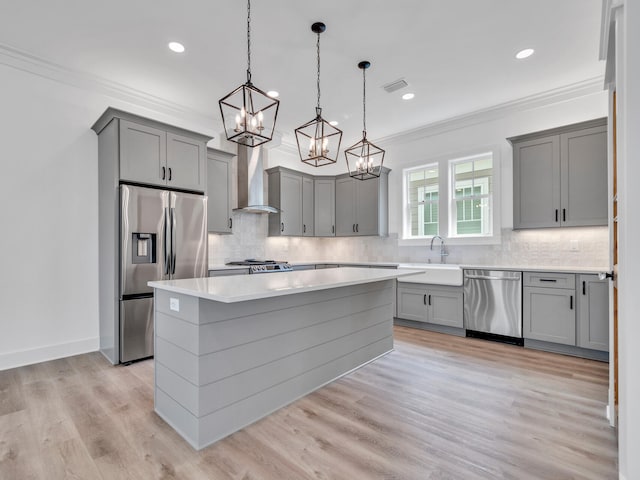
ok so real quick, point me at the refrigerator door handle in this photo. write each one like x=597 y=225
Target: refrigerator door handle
x=173 y=241
x=166 y=253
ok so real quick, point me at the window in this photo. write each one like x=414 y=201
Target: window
x=465 y=186
x=423 y=200
x=472 y=188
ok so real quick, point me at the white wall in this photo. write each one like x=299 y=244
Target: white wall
x=48 y=219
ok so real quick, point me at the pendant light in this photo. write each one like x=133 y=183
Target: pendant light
x=318 y=140
x=364 y=159
x=249 y=114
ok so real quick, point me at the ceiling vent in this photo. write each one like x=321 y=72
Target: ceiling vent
x=394 y=86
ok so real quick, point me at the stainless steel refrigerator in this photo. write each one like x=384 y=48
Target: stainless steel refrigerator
x=163 y=235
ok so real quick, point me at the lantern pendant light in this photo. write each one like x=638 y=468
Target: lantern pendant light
x=318 y=140
x=249 y=114
x=364 y=159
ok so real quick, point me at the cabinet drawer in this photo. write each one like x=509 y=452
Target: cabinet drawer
x=550 y=280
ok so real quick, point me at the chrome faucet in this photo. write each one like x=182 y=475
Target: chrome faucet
x=443 y=252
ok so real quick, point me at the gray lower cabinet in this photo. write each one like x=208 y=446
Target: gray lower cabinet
x=362 y=205
x=324 y=207
x=560 y=177
x=219 y=219
x=436 y=304
x=593 y=313
x=549 y=307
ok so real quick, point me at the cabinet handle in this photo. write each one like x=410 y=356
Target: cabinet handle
x=584 y=288
x=556 y=214
x=424 y=299
x=169 y=173
x=282 y=227
x=304 y=229
x=564 y=214
x=333 y=229
x=357 y=227
x=164 y=173
x=571 y=302
x=429 y=300
x=231 y=223
x=553 y=280
x=353 y=227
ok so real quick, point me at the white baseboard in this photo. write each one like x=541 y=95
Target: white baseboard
x=49 y=352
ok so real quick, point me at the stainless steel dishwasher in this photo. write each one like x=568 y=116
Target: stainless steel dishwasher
x=493 y=304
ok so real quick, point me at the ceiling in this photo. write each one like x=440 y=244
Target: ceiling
x=458 y=56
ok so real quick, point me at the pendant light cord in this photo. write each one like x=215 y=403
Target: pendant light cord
x=318 y=54
x=364 y=102
x=249 y=41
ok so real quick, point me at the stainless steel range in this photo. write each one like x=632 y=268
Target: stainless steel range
x=264 y=266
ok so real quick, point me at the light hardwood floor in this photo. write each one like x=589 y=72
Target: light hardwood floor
x=438 y=407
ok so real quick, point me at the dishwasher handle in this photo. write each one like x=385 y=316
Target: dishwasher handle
x=491 y=277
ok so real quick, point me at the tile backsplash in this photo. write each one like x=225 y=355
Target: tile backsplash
x=566 y=247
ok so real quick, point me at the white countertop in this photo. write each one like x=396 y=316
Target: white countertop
x=240 y=288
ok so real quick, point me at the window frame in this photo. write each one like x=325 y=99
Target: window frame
x=444 y=164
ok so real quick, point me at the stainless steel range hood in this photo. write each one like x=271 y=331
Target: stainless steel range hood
x=251 y=182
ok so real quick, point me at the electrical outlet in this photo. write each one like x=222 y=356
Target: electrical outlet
x=174 y=304
x=574 y=246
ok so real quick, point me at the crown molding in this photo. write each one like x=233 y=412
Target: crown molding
x=27 y=62
x=21 y=60
x=562 y=94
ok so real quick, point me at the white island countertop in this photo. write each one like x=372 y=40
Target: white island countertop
x=240 y=288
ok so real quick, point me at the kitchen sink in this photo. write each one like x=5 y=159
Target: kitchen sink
x=433 y=273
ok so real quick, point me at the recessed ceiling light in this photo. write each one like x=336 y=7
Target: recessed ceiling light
x=408 y=96
x=527 y=52
x=176 y=47
x=333 y=122
x=273 y=94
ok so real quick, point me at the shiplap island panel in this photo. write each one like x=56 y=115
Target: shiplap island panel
x=230 y=350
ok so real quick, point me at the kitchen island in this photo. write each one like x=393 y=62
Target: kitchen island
x=231 y=350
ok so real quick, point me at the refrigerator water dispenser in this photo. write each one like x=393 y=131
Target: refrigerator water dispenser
x=143 y=248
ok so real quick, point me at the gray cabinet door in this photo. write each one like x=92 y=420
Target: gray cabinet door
x=290 y=204
x=549 y=314
x=584 y=177
x=366 y=198
x=593 y=312
x=445 y=307
x=324 y=207
x=307 y=207
x=219 y=192
x=536 y=183
x=185 y=163
x=345 y=207
x=412 y=303
x=143 y=153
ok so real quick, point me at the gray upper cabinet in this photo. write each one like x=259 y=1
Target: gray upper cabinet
x=186 y=162
x=219 y=219
x=307 y=207
x=325 y=207
x=143 y=153
x=154 y=153
x=593 y=312
x=560 y=177
x=346 y=206
x=285 y=193
x=362 y=205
